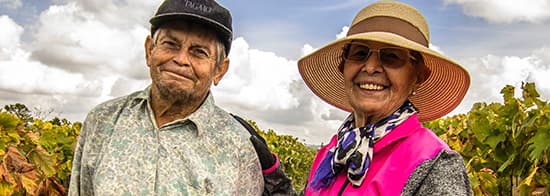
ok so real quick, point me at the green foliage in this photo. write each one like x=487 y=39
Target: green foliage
x=35 y=155
x=19 y=110
x=506 y=146
x=295 y=156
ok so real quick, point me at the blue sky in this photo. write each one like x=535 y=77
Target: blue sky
x=63 y=57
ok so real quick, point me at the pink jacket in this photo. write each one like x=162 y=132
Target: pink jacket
x=396 y=156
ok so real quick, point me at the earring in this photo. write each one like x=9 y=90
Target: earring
x=413 y=93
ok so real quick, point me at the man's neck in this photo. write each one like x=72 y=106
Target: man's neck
x=168 y=110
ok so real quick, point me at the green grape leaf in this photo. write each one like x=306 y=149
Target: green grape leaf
x=508 y=93
x=530 y=93
x=507 y=163
x=539 y=143
x=8 y=121
x=43 y=161
x=494 y=140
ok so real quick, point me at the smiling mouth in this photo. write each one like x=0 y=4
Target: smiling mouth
x=173 y=74
x=372 y=87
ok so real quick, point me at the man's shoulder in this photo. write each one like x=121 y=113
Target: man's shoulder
x=112 y=106
x=223 y=119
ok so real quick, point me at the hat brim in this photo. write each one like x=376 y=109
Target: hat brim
x=438 y=95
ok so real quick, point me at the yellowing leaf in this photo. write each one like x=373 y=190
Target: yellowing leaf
x=5 y=176
x=15 y=162
x=29 y=182
x=50 y=187
x=43 y=160
x=527 y=181
x=6 y=188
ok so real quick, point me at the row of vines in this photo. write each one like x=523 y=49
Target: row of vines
x=35 y=155
x=506 y=147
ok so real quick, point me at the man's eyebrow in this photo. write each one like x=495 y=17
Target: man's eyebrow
x=199 y=45
x=168 y=34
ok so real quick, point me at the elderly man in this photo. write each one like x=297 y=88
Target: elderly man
x=171 y=138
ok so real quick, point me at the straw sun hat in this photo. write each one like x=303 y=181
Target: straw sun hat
x=397 y=24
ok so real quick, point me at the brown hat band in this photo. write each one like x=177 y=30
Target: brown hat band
x=390 y=25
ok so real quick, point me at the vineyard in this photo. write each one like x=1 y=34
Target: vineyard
x=506 y=147
x=36 y=155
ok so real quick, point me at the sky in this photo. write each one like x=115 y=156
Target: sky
x=63 y=57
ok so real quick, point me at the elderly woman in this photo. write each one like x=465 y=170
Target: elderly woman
x=385 y=74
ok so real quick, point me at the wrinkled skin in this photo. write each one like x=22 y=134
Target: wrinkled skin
x=376 y=91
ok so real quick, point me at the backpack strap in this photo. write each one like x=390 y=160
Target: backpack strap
x=248 y=127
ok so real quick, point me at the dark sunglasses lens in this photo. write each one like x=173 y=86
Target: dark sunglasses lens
x=393 y=57
x=357 y=52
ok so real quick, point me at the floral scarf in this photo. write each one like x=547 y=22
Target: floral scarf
x=354 y=149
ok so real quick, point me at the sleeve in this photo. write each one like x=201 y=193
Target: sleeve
x=443 y=175
x=250 y=171
x=80 y=183
x=277 y=183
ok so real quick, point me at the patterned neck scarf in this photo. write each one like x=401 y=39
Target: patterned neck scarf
x=354 y=149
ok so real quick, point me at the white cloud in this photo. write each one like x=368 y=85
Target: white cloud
x=19 y=74
x=307 y=49
x=489 y=74
x=260 y=79
x=24 y=76
x=267 y=88
x=73 y=39
x=76 y=56
x=121 y=13
x=10 y=37
x=343 y=33
x=12 y=4
x=506 y=11
x=436 y=48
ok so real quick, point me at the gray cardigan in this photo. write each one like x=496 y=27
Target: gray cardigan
x=443 y=175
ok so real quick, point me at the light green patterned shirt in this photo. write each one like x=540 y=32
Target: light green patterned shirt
x=121 y=151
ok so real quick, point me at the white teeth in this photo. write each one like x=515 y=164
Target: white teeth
x=371 y=87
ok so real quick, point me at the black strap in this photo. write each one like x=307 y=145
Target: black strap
x=248 y=127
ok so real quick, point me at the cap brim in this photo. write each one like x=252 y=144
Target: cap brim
x=161 y=18
x=438 y=95
x=222 y=31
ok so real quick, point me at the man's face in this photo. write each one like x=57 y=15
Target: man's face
x=182 y=62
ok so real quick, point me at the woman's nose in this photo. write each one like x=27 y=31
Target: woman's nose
x=372 y=64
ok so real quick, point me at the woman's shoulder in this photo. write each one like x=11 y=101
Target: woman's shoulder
x=445 y=174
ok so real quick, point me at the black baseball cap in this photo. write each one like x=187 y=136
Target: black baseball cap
x=207 y=12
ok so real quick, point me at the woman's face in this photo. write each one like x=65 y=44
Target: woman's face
x=380 y=84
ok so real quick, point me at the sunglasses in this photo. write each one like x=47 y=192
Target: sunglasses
x=393 y=57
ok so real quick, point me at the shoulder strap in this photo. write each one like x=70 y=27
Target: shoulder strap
x=248 y=127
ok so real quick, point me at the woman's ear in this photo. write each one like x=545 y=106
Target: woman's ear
x=422 y=72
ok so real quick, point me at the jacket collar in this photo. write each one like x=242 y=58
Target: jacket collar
x=402 y=131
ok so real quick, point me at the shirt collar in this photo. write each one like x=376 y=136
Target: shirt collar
x=201 y=117
x=144 y=94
